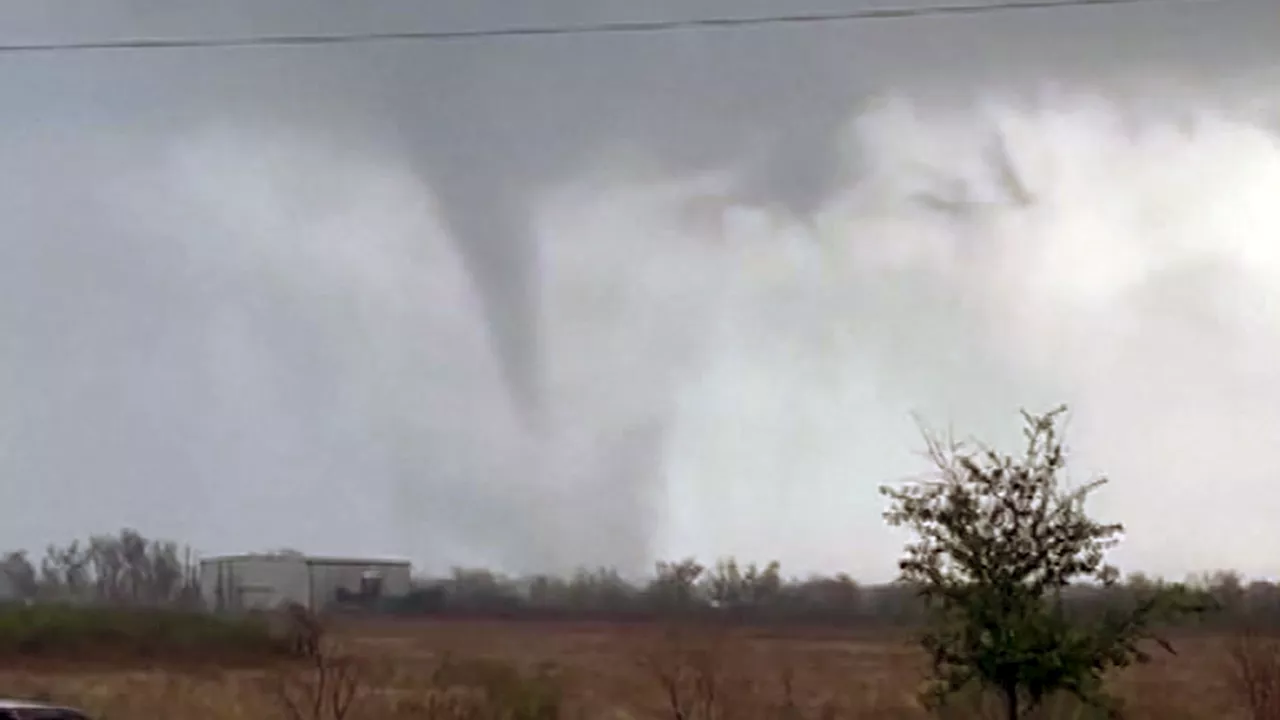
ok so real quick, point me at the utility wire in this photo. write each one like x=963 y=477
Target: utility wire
x=531 y=31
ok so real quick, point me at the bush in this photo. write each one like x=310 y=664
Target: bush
x=91 y=632
x=1253 y=671
x=495 y=689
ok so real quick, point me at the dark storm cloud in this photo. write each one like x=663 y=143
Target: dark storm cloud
x=107 y=326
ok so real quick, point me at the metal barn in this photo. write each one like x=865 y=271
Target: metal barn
x=267 y=581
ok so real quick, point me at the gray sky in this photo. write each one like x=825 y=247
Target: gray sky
x=541 y=302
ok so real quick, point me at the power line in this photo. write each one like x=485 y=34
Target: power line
x=532 y=31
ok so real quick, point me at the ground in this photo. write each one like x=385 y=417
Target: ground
x=605 y=671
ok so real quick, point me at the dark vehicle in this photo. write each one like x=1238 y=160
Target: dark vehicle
x=27 y=710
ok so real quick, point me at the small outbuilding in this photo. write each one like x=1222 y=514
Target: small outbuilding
x=265 y=581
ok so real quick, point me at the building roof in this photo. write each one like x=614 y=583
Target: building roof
x=311 y=559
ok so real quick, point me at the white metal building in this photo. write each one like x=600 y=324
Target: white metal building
x=267 y=581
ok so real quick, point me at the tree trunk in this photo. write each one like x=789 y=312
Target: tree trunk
x=1011 y=702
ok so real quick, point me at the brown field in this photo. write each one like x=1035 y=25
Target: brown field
x=601 y=670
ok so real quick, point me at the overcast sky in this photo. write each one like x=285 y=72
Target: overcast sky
x=540 y=302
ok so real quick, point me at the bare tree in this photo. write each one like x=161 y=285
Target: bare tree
x=122 y=569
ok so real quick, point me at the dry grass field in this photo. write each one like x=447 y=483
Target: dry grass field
x=518 y=670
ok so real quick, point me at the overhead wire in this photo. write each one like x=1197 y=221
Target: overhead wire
x=535 y=31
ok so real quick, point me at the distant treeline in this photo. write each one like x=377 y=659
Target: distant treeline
x=731 y=591
x=125 y=569
x=130 y=570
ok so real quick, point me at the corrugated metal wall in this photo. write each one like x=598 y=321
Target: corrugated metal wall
x=264 y=582
x=254 y=582
x=328 y=575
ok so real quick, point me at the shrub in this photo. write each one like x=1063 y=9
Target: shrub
x=1253 y=671
x=89 y=632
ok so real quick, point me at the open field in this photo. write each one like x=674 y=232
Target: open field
x=590 y=670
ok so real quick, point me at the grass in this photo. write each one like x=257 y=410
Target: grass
x=493 y=670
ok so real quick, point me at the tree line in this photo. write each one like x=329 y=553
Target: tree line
x=129 y=569
x=124 y=569
x=753 y=592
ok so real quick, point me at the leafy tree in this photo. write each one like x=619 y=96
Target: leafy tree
x=675 y=585
x=998 y=540
x=599 y=589
x=21 y=574
x=729 y=585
